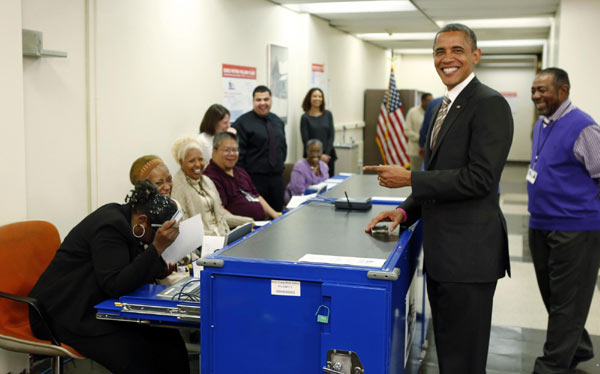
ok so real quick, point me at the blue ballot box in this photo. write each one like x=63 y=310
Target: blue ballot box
x=313 y=293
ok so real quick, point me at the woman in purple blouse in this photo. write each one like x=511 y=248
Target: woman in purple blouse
x=307 y=171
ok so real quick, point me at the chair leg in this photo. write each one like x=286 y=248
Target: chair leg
x=57 y=365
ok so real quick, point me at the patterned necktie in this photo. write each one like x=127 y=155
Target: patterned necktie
x=439 y=120
x=272 y=144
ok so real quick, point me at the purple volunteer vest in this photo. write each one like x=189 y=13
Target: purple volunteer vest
x=564 y=197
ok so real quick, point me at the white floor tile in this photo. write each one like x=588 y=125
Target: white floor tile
x=514 y=197
x=515 y=245
x=518 y=209
x=517 y=302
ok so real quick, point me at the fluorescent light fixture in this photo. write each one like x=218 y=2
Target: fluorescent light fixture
x=414 y=51
x=509 y=57
x=398 y=36
x=353 y=7
x=511 y=43
x=501 y=23
x=480 y=44
x=506 y=64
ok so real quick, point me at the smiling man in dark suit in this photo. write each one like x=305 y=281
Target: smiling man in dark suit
x=456 y=197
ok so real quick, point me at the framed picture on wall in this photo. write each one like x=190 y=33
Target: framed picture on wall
x=278 y=68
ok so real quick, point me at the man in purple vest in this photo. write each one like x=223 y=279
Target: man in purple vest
x=563 y=183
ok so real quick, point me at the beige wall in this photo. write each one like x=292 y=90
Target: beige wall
x=351 y=69
x=550 y=58
x=12 y=141
x=140 y=73
x=156 y=77
x=578 y=52
x=517 y=80
x=418 y=72
x=55 y=114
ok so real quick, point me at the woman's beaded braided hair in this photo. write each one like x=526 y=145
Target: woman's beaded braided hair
x=146 y=199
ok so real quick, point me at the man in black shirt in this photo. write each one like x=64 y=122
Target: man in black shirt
x=263 y=148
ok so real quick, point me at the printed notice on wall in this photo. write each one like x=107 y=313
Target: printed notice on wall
x=285 y=288
x=318 y=76
x=319 y=79
x=238 y=84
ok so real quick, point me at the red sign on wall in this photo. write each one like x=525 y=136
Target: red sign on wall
x=318 y=67
x=237 y=71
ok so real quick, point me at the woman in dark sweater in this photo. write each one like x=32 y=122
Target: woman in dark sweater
x=317 y=123
x=112 y=252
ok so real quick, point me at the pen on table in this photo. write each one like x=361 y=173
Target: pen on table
x=159 y=225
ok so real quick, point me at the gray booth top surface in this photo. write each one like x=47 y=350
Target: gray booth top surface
x=366 y=186
x=317 y=228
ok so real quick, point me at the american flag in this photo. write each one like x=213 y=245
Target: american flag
x=390 y=128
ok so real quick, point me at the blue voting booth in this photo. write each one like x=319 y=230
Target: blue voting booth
x=313 y=293
x=309 y=293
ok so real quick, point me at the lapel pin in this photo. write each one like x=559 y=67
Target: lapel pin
x=458 y=107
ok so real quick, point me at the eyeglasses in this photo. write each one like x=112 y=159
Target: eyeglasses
x=230 y=151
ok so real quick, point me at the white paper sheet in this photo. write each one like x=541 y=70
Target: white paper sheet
x=191 y=235
x=316 y=187
x=343 y=260
x=212 y=244
x=196 y=269
x=295 y=201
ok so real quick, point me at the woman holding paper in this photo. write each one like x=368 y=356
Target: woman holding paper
x=307 y=171
x=196 y=193
x=112 y=252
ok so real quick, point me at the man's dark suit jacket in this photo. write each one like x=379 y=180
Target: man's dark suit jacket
x=457 y=196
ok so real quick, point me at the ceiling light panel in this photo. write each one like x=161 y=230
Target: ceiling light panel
x=413 y=51
x=511 y=43
x=398 y=36
x=340 y=7
x=499 y=23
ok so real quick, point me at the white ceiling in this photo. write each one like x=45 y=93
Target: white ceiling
x=428 y=12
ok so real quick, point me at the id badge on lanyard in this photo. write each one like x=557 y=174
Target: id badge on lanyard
x=531 y=175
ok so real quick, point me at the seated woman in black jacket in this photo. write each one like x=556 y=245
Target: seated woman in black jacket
x=112 y=252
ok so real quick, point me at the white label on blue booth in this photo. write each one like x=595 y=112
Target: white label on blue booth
x=285 y=288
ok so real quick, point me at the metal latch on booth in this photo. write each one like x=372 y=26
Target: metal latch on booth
x=343 y=362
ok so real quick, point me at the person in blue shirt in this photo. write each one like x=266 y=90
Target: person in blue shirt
x=431 y=108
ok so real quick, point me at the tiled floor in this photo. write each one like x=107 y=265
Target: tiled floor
x=519 y=319
x=512 y=350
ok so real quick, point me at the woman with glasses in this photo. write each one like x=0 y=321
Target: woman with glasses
x=238 y=193
x=111 y=253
